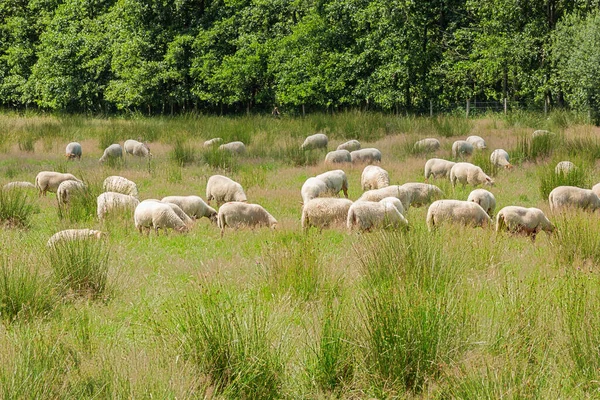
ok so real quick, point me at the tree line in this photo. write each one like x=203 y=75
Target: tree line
x=161 y=56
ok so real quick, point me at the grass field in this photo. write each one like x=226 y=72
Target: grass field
x=455 y=313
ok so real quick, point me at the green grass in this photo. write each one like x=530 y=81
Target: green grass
x=17 y=207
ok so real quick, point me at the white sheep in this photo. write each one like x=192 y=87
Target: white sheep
x=367 y=215
x=48 y=181
x=112 y=152
x=338 y=157
x=467 y=173
x=541 y=133
x=313 y=188
x=70 y=235
x=438 y=167
x=485 y=199
x=223 y=189
x=477 y=142
x=73 y=150
x=180 y=213
x=155 y=214
x=325 y=211
x=238 y=214
x=399 y=192
x=336 y=181
x=564 y=167
x=422 y=193
x=461 y=148
x=316 y=141
x=213 y=142
x=193 y=206
x=109 y=202
x=365 y=156
x=426 y=145
x=396 y=203
x=499 y=159
x=67 y=189
x=527 y=221
x=374 y=177
x=234 y=147
x=571 y=196
x=463 y=212
x=596 y=189
x=136 y=148
x=18 y=185
x=350 y=145
x=120 y=185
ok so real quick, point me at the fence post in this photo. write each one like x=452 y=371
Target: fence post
x=505 y=105
x=468 y=106
x=545 y=105
x=431 y=108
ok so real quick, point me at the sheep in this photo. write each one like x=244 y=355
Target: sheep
x=73 y=150
x=120 y=185
x=222 y=189
x=180 y=213
x=499 y=159
x=325 y=211
x=395 y=202
x=66 y=189
x=113 y=151
x=365 y=156
x=366 y=215
x=136 y=148
x=399 y=192
x=571 y=196
x=477 y=142
x=193 y=206
x=541 y=133
x=316 y=141
x=69 y=235
x=213 y=142
x=528 y=221
x=338 y=157
x=426 y=145
x=461 y=148
x=464 y=173
x=438 y=167
x=422 y=193
x=18 y=185
x=335 y=180
x=374 y=177
x=564 y=167
x=48 y=181
x=110 y=201
x=234 y=147
x=350 y=145
x=595 y=189
x=237 y=214
x=485 y=199
x=155 y=214
x=463 y=212
x=313 y=188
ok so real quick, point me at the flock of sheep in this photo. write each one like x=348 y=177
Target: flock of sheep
x=380 y=206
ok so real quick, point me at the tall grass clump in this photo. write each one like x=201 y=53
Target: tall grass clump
x=578 y=235
x=583 y=147
x=17 y=206
x=108 y=137
x=531 y=148
x=26 y=142
x=448 y=126
x=549 y=179
x=293 y=155
x=220 y=159
x=481 y=158
x=182 y=153
x=82 y=205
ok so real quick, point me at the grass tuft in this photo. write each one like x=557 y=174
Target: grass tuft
x=549 y=179
x=17 y=206
x=182 y=153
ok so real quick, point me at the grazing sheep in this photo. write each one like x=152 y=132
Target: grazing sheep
x=365 y=156
x=571 y=196
x=70 y=235
x=234 y=147
x=18 y=185
x=325 y=211
x=316 y=141
x=367 y=215
x=155 y=214
x=313 y=188
x=213 y=142
x=477 y=142
x=596 y=189
x=136 y=148
x=180 y=213
x=338 y=157
x=467 y=173
x=350 y=145
x=426 y=145
x=48 y=181
x=395 y=202
x=438 y=167
x=109 y=202
x=499 y=158
x=485 y=199
x=73 y=150
x=527 y=221
x=67 y=189
x=113 y=151
x=120 y=185
x=422 y=193
x=193 y=206
x=335 y=180
x=222 y=189
x=374 y=177
x=463 y=212
x=461 y=148
x=399 y=192
x=237 y=214
x=564 y=167
x=541 y=132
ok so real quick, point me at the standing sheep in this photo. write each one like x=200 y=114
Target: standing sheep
x=338 y=157
x=67 y=189
x=541 y=133
x=374 y=177
x=564 y=167
x=73 y=150
x=237 y=214
x=313 y=188
x=477 y=142
x=528 y=221
x=213 y=142
x=48 y=181
x=222 y=189
x=499 y=159
x=426 y=145
x=70 y=235
x=366 y=215
x=316 y=141
x=571 y=196
x=18 y=185
x=112 y=152
x=136 y=148
x=193 y=206
x=467 y=173
x=234 y=147
x=438 y=167
x=350 y=145
x=596 y=189
x=120 y=185
x=399 y=192
x=109 y=202
x=325 y=211
x=335 y=180
x=365 y=156
x=463 y=212
x=461 y=148
x=155 y=214
x=485 y=199
x=422 y=193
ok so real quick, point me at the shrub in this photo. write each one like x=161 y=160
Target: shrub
x=16 y=207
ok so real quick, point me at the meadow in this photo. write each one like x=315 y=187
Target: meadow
x=455 y=313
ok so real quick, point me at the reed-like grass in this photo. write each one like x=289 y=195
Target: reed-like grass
x=17 y=206
x=183 y=153
x=82 y=204
x=549 y=179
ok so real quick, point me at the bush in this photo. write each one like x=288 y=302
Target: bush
x=16 y=207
